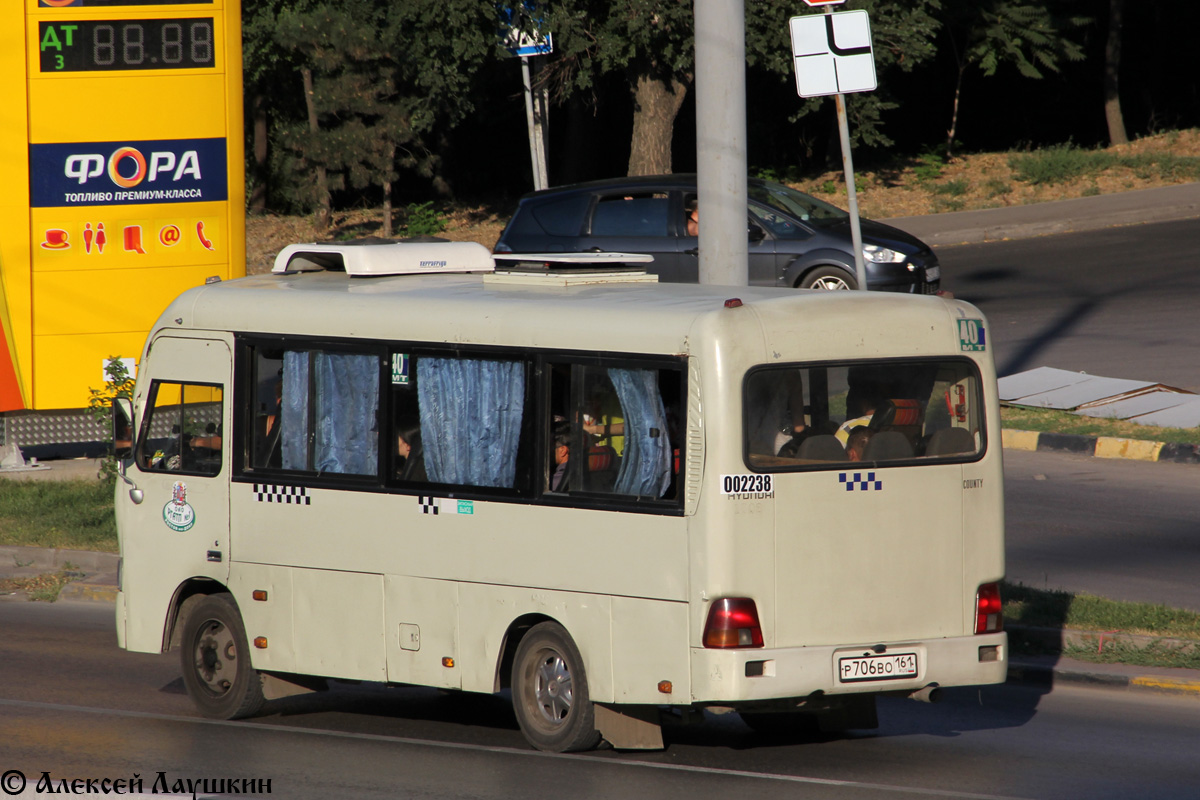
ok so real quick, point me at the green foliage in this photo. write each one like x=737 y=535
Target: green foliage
x=954 y=188
x=386 y=76
x=996 y=187
x=789 y=174
x=119 y=383
x=66 y=514
x=902 y=34
x=1058 y=164
x=1028 y=35
x=929 y=167
x=422 y=220
x=1066 y=162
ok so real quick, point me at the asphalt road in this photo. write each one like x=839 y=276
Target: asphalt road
x=75 y=706
x=1118 y=302
x=1126 y=530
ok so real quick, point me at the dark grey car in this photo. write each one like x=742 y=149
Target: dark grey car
x=793 y=239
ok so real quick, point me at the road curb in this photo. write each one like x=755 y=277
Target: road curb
x=1160 y=204
x=1101 y=446
x=1027 y=671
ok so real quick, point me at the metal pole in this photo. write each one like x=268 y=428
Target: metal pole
x=720 y=30
x=535 y=152
x=860 y=268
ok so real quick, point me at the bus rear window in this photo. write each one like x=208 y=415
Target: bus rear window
x=817 y=416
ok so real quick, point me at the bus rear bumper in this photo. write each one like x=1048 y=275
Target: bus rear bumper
x=744 y=675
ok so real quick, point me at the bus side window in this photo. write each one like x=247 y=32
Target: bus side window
x=327 y=420
x=182 y=429
x=463 y=424
x=623 y=439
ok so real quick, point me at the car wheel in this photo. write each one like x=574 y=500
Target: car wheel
x=828 y=278
x=216 y=661
x=550 y=692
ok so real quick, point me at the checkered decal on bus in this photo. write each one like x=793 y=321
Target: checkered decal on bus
x=856 y=479
x=291 y=495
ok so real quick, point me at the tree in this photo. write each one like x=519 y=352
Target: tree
x=378 y=78
x=1112 y=70
x=988 y=33
x=902 y=37
x=649 y=42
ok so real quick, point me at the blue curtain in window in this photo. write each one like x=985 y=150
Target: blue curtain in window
x=646 y=463
x=293 y=432
x=471 y=419
x=345 y=402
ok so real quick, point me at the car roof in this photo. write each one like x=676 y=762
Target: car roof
x=674 y=180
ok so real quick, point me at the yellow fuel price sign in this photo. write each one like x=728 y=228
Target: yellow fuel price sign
x=122 y=121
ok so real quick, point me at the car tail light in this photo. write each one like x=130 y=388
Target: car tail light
x=989 y=617
x=733 y=622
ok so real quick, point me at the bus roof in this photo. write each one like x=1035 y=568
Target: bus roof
x=617 y=314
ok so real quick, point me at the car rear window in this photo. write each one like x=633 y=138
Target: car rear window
x=562 y=216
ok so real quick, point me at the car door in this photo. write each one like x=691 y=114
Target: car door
x=761 y=259
x=635 y=222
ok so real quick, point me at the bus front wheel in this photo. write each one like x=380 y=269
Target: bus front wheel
x=550 y=692
x=216 y=661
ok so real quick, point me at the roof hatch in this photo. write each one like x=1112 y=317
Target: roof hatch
x=378 y=258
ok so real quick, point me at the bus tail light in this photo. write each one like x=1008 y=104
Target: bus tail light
x=989 y=617
x=733 y=622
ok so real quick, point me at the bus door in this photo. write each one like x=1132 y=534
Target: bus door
x=868 y=496
x=180 y=529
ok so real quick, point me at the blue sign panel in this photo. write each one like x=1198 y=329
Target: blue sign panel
x=127 y=173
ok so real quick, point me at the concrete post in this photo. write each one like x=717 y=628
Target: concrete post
x=720 y=29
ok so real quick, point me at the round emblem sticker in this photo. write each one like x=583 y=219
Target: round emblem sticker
x=178 y=513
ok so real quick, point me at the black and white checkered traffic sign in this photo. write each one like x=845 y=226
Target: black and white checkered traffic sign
x=832 y=53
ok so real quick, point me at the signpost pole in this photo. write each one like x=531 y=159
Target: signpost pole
x=860 y=267
x=832 y=60
x=537 y=148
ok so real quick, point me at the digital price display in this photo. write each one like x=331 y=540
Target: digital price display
x=94 y=45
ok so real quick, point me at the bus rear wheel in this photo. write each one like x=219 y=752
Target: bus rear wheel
x=550 y=692
x=216 y=661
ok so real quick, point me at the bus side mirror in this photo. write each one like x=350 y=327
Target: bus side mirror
x=123 y=439
x=122 y=428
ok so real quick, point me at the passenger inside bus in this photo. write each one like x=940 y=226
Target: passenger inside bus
x=561 y=457
x=408 y=448
x=856 y=442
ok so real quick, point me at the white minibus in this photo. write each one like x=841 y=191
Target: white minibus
x=411 y=464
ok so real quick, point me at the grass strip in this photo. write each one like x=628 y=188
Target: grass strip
x=1065 y=163
x=1155 y=654
x=1042 y=608
x=1050 y=421
x=61 y=514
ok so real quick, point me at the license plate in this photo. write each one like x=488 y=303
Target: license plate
x=932 y=274
x=887 y=667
